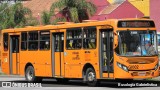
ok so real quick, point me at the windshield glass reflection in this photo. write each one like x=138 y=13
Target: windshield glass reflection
x=137 y=43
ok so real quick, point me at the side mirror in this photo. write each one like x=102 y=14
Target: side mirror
x=115 y=40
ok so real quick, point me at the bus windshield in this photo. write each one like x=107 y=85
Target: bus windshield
x=137 y=43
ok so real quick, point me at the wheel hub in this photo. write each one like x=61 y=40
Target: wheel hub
x=30 y=75
x=91 y=76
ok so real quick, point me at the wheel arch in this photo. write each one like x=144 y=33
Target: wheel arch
x=87 y=65
x=28 y=64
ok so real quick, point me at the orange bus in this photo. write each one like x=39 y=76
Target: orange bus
x=92 y=51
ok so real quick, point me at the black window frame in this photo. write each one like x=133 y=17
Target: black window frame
x=24 y=40
x=5 y=41
x=91 y=35
x=74 y=38
x=33 y=40
x=59 y=42
x=41 y=40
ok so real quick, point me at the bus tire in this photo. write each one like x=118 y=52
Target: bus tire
x=30 y=75
x=91 y=77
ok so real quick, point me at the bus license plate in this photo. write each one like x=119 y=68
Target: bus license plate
x=141 y=73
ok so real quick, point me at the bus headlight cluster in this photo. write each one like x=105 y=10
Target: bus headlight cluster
x=122 y=66
x=156 y=67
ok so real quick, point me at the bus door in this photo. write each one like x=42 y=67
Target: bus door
x=57 y=53
x=14 y=54
x=106 y=51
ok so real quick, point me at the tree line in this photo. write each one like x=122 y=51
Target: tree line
x=15 y=15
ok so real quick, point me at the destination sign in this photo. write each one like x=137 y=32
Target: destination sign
x=135 y=24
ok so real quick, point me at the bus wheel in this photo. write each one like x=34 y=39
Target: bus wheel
x=91 y=77
x=30 y=75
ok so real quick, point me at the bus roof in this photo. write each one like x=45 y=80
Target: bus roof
x=71 y=25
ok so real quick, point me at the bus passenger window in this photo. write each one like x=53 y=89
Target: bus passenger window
x=24 y=41
x=33 y=40
x=59 y=42
x=44 y=40
x=74 y=38
x=89 y=38
x=5 y=41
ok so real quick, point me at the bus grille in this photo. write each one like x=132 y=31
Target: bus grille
x=136 y=74
x=133 y=67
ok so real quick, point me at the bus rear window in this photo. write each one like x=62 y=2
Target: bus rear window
x=5 y=41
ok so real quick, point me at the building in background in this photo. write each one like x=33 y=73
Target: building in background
x=118 y=11
x=100 y=7
x=105 y=10
x=115 y=1
x=155 y=15
x=110 y=1
x=142 y=5
x=38 y=6
x=155 y=12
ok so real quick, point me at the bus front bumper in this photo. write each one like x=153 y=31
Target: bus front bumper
x=137 y=74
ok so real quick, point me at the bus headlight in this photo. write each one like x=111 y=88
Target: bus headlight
x=122 y=66
x=156 y=67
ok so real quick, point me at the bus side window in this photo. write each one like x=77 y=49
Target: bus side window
x=5 y=41
x=24 y=41
x=59 y=42
x=44 y=40
x=89 y=38
x=33 y=40
x=70 y=44
x=74 y=38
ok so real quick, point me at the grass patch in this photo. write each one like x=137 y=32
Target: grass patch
x=1 y=73
x=155 y=79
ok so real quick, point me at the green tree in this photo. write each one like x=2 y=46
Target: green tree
x=59 y=19
x=20 y=13
x=5 y=16
x=32 y=21
x=45 y=17
x=13 y=15
x=75 y=10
